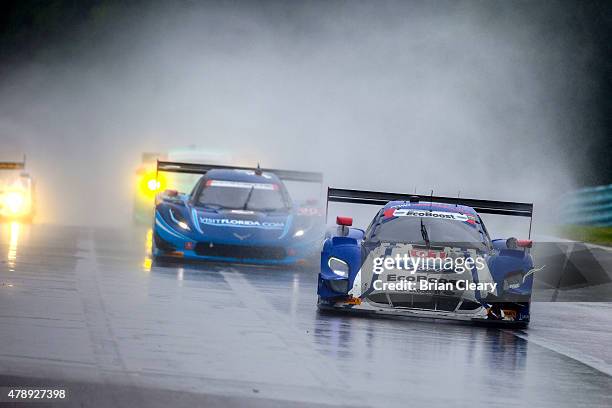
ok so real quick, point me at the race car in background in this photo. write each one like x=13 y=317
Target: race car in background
x=148 y=182
x=413 y=260
x=146 y=186
x=16 y=192
x=237 y=214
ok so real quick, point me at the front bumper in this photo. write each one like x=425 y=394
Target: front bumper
x=170 y=243
x=364 y=306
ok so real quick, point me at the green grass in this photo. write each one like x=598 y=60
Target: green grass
x=595 y=235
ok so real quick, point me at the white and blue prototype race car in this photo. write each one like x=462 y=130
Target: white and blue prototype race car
x=427 y=256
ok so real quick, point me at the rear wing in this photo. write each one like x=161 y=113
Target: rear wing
x=194 y=168
x=481 y=206
x=11 y=165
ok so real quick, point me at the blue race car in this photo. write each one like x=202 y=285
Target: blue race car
x=237 y=214
x=427 y=256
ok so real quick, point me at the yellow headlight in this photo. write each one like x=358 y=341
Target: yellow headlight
x=153 y=185
x=149 y=184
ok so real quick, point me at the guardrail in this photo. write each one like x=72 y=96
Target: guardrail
x=588 y=206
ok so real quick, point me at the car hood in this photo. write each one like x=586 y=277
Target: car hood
x=247 y=227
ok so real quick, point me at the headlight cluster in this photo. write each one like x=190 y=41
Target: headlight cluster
x=338 y=266
x=16 y=202
x=150 y=183
x=179 y=220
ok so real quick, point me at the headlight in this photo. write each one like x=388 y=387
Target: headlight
x=178 y=220
x=298 y=233
x=150 y=183
x=15 y=201
x=340 y=285
x=153 y=184
x=338 y=266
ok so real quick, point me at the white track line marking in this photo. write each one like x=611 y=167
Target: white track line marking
x=595 y=363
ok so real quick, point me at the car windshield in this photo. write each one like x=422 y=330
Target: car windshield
x=429 y=229
x=242 y=196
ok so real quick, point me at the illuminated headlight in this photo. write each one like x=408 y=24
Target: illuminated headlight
x=340 y=285
x=14 y=201
x=179 y=221
x=150 y=183
x=338 y=266
x=153 y=185
x=298 y=233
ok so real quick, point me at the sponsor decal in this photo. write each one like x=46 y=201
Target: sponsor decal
x=241 y=184
x=408 y=212
x=227 y=222
x=398 y=211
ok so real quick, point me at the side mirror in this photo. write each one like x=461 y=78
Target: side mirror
x=171 y=196
x=513 y=243
x=343 y=225
x=524 y=243
x=344 y=221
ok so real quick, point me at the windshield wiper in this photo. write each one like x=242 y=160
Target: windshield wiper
x=424 y=234
x=246 y=202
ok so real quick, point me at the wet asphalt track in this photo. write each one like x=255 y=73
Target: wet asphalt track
x=84 y=309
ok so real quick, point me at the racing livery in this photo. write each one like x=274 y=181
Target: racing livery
x=16 y=192
x=427 y=256
x=237 y=214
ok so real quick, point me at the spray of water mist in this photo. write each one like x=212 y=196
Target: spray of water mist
x=394 y=96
